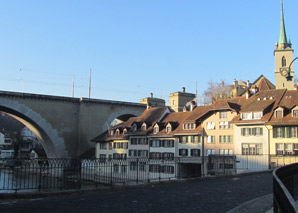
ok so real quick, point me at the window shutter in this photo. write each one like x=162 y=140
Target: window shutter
x=249 y=131
x=172 y=169
x=261 y=131
x=283 y=132
x=274 y=132
x=254 y=130
x=242 y=131
x=150 y=143
x=288 y=132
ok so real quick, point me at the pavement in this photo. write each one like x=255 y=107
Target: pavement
x=243 y=193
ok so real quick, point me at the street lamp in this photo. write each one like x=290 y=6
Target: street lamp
x=289 y=77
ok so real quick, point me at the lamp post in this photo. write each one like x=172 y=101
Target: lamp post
x=289 y=70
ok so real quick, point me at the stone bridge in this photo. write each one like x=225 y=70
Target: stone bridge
x=65 y=126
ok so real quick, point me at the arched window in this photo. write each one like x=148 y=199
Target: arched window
x=283 y=61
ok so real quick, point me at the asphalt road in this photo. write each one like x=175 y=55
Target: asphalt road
x=209 y=195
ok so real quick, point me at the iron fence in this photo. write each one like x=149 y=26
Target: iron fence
x=62 y=174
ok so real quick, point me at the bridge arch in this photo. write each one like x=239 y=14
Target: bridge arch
x=53 y=144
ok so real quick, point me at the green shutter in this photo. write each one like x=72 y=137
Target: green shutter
x=274 y=132
x=242 y=131
x=283 y=132
x=254 y=130
x=289 y=132
x=261 y=131
x=249 y=131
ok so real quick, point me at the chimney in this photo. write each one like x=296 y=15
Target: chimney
x=183 y=89
x=247 y=83
x=151 y=95
x=295 y=87
x=235 y=82
x=247 y=94
x=148 y=105
x=192 y=105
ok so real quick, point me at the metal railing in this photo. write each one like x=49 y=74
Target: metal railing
x=62 y=174
x=285 y=188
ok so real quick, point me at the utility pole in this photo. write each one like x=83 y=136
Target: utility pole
x=90 y=83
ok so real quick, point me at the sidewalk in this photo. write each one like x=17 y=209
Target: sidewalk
x=259 y=205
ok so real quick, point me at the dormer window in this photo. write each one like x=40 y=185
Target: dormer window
x=117 y=132
x=278 y=113
x=111 y=132
x=189 y=126
x=156 y=129
x=251 y=115
x=295 y=112
x=124 y=131
x=134 y=128
x=257 y=115
x=143 y=127
x=168 y=128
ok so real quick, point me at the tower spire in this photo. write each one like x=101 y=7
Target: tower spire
x=283 y=43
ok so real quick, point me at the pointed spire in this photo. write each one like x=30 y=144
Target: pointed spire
x=283 y=43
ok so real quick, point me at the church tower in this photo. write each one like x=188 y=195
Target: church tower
x=283 y=53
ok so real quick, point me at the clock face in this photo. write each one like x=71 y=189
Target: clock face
x=284 y=72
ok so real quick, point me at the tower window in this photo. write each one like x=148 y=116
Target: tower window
x=283 y=61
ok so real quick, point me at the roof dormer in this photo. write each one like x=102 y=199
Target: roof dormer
x=295 y=112
x=144 y=127
x=117 y=132
x=155 y=129
x=134 y=127
x=168 y=128
x=279 y=112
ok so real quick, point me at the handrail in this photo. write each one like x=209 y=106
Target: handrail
x=282 y=198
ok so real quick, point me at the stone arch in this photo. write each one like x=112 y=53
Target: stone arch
x=53 y=144
x=120 y=113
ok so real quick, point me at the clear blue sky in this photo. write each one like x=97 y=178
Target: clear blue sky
x=135 y=47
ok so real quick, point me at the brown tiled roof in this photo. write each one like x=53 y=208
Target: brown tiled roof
x=263 y=84
x=151 y=115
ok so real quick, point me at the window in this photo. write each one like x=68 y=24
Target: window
x=156 y=129
x=247 y=116
x=134 y=128
x=184 y=139
x=292 y=132
x=133 y=166
x=111 y=132
x=183 y=152
x=142 y=166
x=142 y=141
x=288 y=149
x=279 y=149
x=210 y=152
x=102 y=156
x=143 y=127
x=116 y=168
x=117 y=132
x=169 y=129
x=102 y=146
x=258 y=131
x=195 y=152
x=124 y=131
x=252 y=149
x=257 y=115
x=154 y=168
x=133 y=141
x=210 y=125
x=225 y=139
x=110 y=146
x=155 y=155
x=224 y=125
x=133 y=153
x=283 y=61
x=195 y=139
x=168 y=156
x=174 y=102
x=222 y=115
x=211 y=139
x=278 y=132
x=155 y=143
x=189 y=126
x=168 y=143
x=168 y=169
x=278 y=114
x=295 y=113
x=123 y=168
x=143 y=153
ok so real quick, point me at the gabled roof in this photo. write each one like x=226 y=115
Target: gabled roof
x=262 y=83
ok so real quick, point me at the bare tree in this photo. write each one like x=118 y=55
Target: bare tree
x=216 y=91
